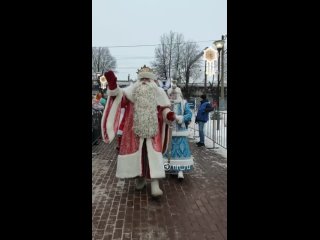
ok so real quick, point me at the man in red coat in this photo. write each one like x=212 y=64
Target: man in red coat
x=145 y=127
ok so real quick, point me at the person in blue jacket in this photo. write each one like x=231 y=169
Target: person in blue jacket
x=202 y=117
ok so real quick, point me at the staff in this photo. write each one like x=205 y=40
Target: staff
x=167 y=165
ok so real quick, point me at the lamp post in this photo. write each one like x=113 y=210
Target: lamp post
x=219 y=45
x=210 y=55
x=103 y=83
x=222 y=73
x=205 y=77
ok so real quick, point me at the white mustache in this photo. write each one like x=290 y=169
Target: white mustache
x=151 y=84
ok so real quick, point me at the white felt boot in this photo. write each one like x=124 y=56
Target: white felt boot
x=155 y=190
x=180 y=174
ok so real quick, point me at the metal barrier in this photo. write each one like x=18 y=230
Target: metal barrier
x=96 y=126
x=215 y=129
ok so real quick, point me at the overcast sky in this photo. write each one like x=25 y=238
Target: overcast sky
x=142 y=22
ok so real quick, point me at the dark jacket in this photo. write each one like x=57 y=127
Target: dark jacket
x=203 y=111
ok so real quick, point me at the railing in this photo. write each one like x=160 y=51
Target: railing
x=215 y=129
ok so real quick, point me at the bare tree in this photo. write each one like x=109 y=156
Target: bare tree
x=190 y=64
x=176 y=58
x=170 y=45
x=102 y=60
x=163 y=56
x=178 y=51
x=160 y=64
x=167 y=55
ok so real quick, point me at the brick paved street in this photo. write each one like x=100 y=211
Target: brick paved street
x=195 y=208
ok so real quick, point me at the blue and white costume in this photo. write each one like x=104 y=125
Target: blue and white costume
x=181 y=160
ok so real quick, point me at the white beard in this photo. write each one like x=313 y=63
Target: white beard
x=145 y=120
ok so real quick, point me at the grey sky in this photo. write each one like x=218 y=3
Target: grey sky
x=142 y=22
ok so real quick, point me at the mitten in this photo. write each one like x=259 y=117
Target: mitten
x=112 y=79
x=171 y=116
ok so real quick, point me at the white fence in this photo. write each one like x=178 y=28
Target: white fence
x=215 y=129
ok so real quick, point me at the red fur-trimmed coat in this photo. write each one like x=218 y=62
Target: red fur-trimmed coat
x=129 y=162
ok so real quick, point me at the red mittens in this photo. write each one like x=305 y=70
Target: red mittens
x=171 y=116
x=112 y=80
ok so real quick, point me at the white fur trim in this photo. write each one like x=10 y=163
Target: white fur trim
x=128 y=92
x=129 y=166
x=113 y=92
x=112 y=116
x=102 y=120
x=121 y=115
x=184 y=162
x=179 y=119
x=155 y=162
x=180 y=133
x=179 y=100
x=162 y=98
x=147 y=75
x=183 y=106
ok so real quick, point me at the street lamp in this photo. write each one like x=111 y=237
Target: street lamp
x=210 y=56
x=219 y=45
x=103 y=83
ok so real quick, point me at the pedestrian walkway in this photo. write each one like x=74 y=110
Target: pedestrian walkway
x=195 y=208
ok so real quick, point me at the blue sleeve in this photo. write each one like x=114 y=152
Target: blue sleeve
x=202 y=108
x=187 y=113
